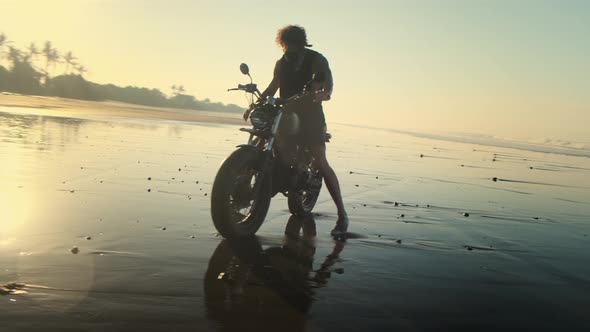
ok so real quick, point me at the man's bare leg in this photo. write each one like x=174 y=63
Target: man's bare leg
x=331 y=180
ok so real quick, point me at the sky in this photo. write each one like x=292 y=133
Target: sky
x=511 y=69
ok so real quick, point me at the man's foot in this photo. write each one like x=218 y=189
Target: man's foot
x=341 y=227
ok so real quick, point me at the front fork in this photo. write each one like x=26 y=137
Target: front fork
x=267 y=158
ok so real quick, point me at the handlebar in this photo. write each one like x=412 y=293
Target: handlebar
x=245 y=87
x=252 y=88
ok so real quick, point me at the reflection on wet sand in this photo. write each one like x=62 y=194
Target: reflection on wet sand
x=249 y=287
x=40 y=132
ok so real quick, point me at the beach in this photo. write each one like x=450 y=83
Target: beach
x=106 y=226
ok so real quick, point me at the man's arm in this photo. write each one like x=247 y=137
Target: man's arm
x=324 y=90
x=270 y=90
x=274 y=84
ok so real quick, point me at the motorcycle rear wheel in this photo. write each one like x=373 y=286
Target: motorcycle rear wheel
x=301 y=202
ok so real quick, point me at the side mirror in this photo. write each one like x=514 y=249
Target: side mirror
x=319 y=77
x=244 y=69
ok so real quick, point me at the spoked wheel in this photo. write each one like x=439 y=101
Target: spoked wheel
x=241 y=194
x=302 y=200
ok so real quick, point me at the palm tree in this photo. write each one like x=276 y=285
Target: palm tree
x=33 y=51
x=47 y=53
x=55 y=55
x=81 y=70
x=181 y=89
x=174 y=89
x=70 y=61
x=14 y=54
x=51 y=56
x=3 y=42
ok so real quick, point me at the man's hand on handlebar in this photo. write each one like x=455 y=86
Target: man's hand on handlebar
x=321 y=95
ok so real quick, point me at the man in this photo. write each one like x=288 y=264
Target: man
x=295 y=68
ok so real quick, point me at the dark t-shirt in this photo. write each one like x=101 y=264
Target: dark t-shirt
x=292 y=79
x=293 y=75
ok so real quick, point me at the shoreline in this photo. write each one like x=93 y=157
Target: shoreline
x=75 y=107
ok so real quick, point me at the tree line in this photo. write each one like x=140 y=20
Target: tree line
x=46 y=71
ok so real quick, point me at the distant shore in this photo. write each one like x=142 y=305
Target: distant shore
x=74 y=107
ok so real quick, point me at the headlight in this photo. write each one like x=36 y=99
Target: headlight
x=260 y=119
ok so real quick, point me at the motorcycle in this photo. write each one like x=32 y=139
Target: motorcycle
x=270 y=163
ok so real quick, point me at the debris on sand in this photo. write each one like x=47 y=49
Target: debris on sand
x=351 y=172
x=356 y=185
x=12 y=288
x=465 y=214
x=163 y=228
x=470 y=247
x=192 y=236
x=402 y=215
x=72 y=191
x=399 y=241
x=74 y=250
x=88 y=237
x=421 y=156
x=179 y=169
x=149 y=190
x=495 y=179
x=531 y=167
x=150 y=178
x=205 y=194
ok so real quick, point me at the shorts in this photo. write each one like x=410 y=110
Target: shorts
x=313 y=127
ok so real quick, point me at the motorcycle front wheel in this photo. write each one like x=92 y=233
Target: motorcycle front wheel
x=241 y=195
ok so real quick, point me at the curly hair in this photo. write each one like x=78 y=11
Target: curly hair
x=292 y=34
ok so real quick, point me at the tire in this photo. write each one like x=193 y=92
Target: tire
x=302 y=202
x=233 y=180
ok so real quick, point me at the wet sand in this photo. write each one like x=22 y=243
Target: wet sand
x=444 y=235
